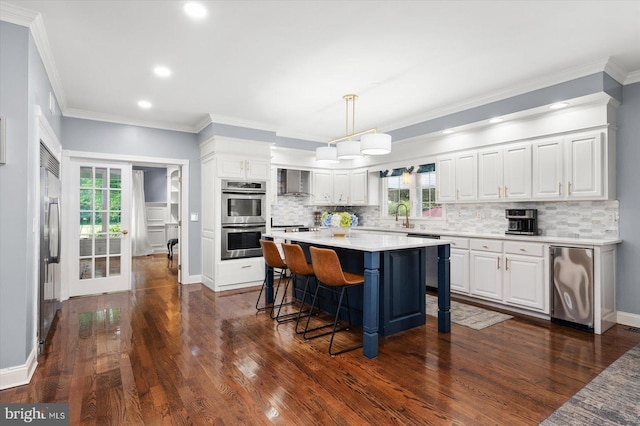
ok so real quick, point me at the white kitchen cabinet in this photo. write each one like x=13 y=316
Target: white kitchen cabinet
x=516 y=172
x=466 y=176
x=323 y=187
x=359 y=187
x=341 y=187
x=504 y=173
x=446 y=179
x=486 y=269
x=490 y=174
x=459 y=260
x=524 y=281
x=243 y=168
x=571 y=167
x=457 y=177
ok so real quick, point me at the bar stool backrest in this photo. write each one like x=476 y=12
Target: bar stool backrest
x=271 y=254
x=326 y=266
x=296 y=260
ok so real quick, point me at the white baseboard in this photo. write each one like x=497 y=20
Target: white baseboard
x=626 y=318
x=192 y=279
x=21 y=374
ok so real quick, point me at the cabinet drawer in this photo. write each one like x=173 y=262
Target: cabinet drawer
x=527 y=249
x=240 y=271
x=486 y=245
x=459 y=243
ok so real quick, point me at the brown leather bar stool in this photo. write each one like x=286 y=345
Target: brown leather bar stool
x=330 y=275
x=297 y=263
x=273 y=260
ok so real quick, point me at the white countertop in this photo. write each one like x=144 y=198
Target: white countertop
x=362 y=241
x=534 y=239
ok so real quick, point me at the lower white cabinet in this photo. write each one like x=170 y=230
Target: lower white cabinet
x=524 y=281
x=459 y=261
x=486 y=270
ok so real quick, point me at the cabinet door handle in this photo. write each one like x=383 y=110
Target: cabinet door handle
x=499 y=192
x=242 y=165
x=437 y=194
x=523 y=249
x=498 y=262
x=487 y=247
x=453 y=243
x=506 y=263
x=246 y=266
x=569 y=188
x=559 y=188
x=457 y=194
x=506 y=193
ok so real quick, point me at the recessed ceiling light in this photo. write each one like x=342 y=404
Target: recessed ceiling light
x=558 y=105
x=195 y=10
x=162 y=71
x=144 y=104
x=447 y=131
x=495 y=120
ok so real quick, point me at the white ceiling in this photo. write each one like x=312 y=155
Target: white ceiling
x=285 y=65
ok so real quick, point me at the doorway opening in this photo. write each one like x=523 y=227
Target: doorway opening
x=160 y=220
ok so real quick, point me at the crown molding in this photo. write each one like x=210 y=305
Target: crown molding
x=633 y=77
x=615 y=71
x=117 y=119
x=17 y=15
x=41 y=40
x=202 y=124
x=233 y=121
x=532 y=85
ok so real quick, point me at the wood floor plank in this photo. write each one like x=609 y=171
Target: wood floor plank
x=169 y=354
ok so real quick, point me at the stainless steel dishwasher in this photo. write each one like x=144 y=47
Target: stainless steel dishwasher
x=431 y=261
x=572 y=291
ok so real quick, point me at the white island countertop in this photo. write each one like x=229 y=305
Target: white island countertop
x=361 y=241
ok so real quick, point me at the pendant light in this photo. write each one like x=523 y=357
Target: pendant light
x=346 y=148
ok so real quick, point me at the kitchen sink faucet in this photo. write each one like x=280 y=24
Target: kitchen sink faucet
x=405 y=224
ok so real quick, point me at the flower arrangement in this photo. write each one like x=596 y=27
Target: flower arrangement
x=339 y=219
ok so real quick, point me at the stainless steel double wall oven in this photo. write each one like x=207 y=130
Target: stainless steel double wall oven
x=244 y=218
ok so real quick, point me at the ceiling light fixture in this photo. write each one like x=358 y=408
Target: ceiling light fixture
x=558 y=105
x=371 y=142
x=162 y=71
x=447 y=131
x=144 y=104
x=496 y=120
x=195 y=10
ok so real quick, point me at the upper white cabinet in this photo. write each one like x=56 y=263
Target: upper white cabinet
x=359 y=187
x=322 y=187
x=457 y=177
x=504 y=173
x=340 y=187
x=243 y=168
x=571 y=167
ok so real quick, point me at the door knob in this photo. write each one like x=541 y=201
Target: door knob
x=125 y=232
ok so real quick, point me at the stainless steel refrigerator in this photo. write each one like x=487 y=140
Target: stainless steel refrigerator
x=572 y=278
x=49 y=289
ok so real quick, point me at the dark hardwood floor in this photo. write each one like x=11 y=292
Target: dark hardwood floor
x=170 y=354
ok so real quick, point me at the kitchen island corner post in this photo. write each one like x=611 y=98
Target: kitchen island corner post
x=444 y=289
x=371 y=299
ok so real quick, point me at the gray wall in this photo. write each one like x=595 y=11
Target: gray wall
x=628 y=290
x=23 y=85
x=155 y=184
x=109 y=138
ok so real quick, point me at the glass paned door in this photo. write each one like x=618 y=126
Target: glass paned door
x=101 y=211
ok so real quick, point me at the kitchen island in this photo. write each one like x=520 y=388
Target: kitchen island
x=394 y=270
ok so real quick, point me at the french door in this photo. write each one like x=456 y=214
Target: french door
x=100 y=206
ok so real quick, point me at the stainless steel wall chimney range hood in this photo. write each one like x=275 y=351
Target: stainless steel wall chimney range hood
x=293 y=182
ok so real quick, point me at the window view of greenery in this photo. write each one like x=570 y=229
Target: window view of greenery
x=100 y=201
x=427 y=193
x=397 y=193
x=423 y=185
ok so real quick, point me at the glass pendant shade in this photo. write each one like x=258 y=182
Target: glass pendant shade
x=348 y=150
x=327 y=154
x=375 y=144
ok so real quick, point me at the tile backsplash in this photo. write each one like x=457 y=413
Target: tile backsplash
x=582 y=219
